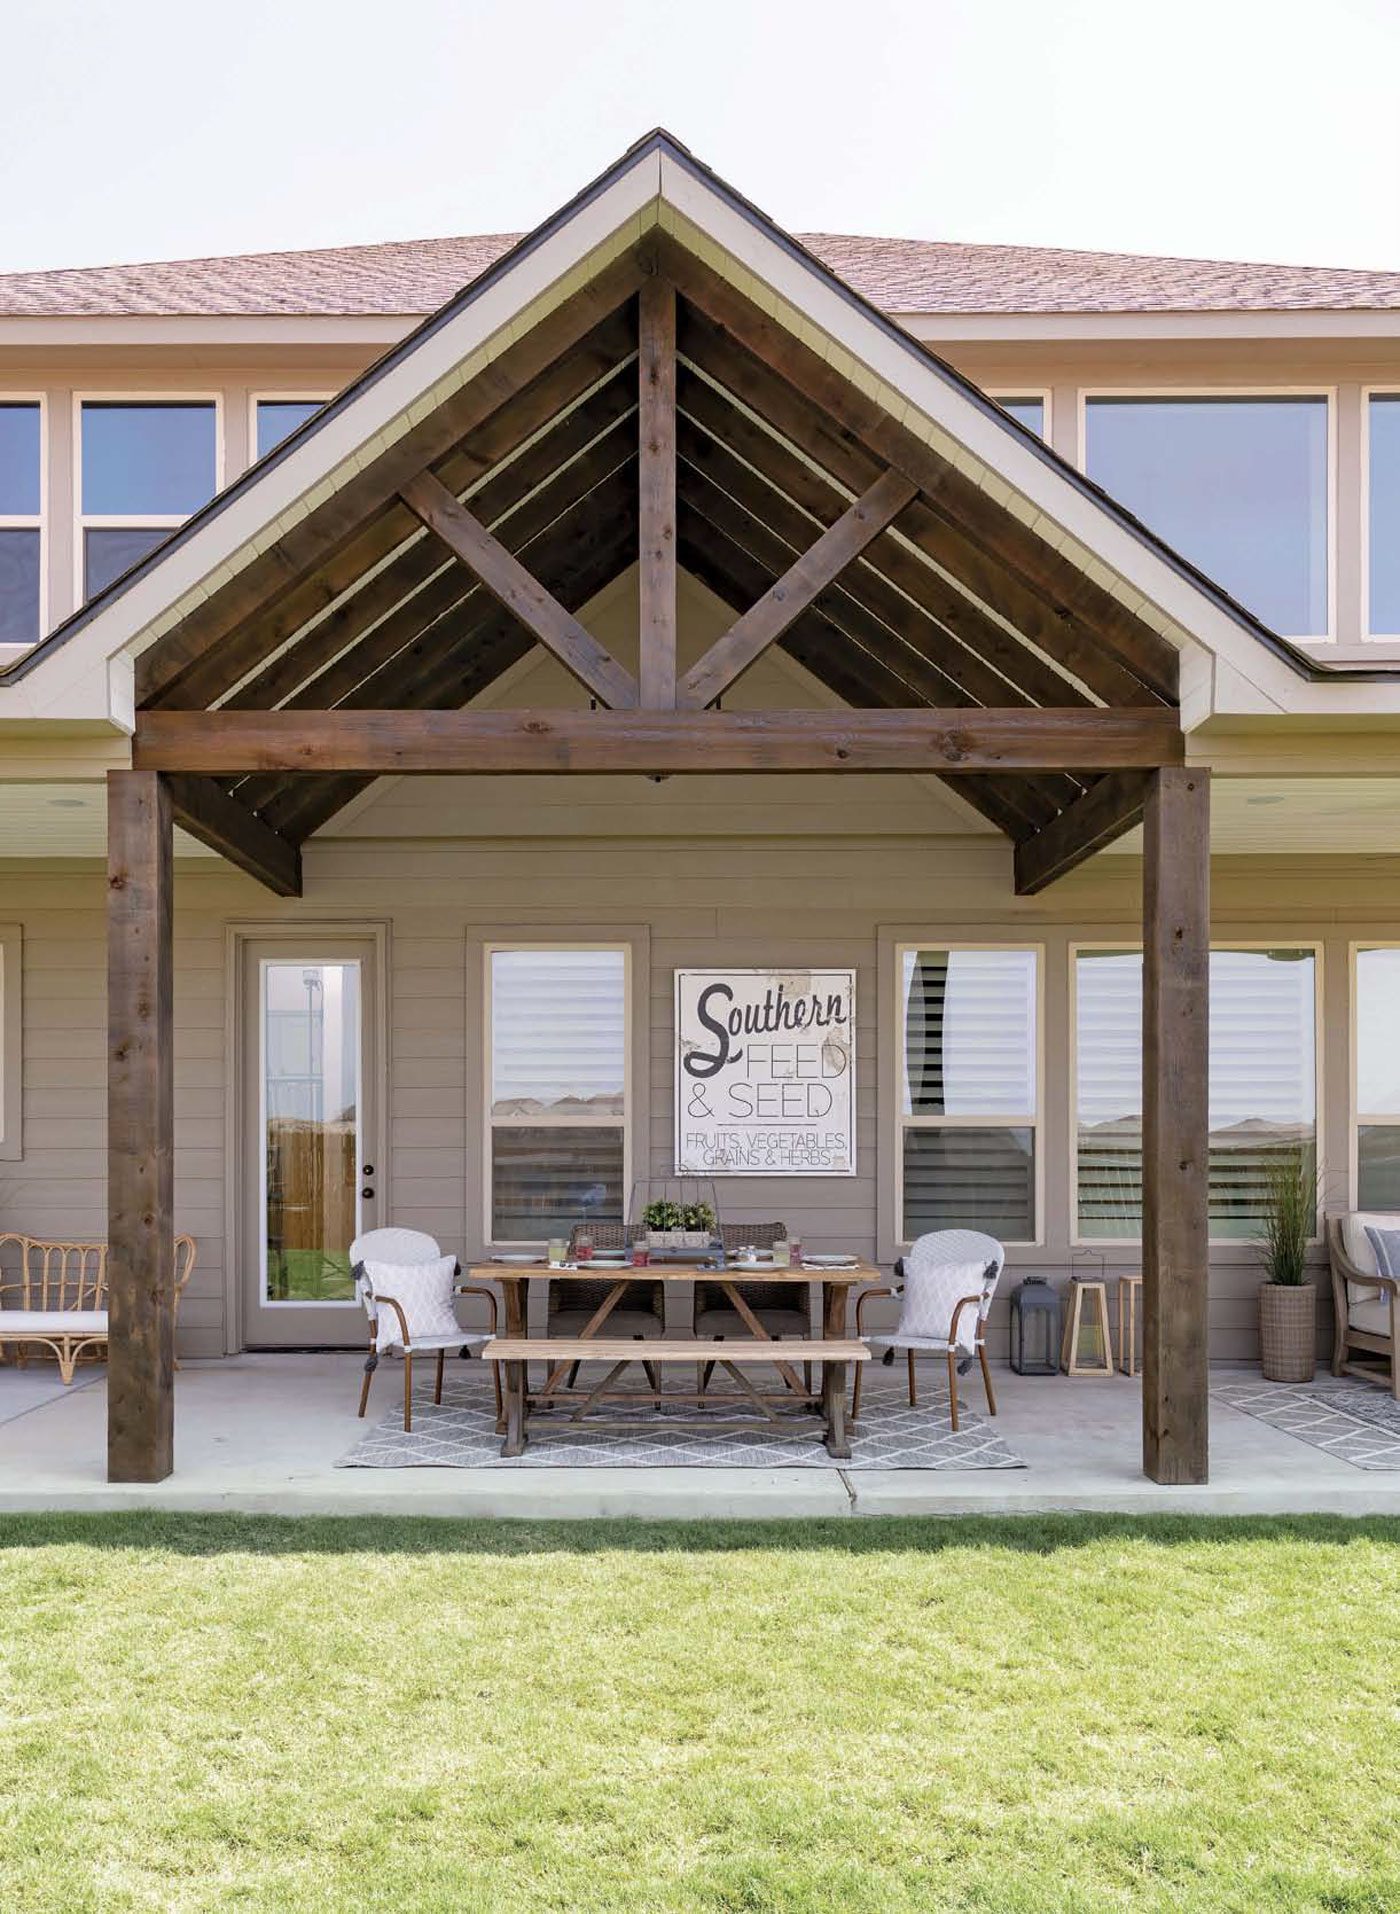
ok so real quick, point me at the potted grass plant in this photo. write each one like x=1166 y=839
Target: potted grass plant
x=1287 y=1301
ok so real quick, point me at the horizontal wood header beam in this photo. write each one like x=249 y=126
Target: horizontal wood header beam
x=373 y=743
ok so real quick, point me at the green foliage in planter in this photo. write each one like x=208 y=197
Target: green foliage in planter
x=1289 y=1217
x=698 y=1216
x=663 y=1214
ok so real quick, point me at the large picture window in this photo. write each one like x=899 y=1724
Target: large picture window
x=145 y=466
x=276 y=419
x=1237 y=485
x=1383 y=513
x=1376 y=1028
x=21 y=425
x=557 y=1075
x=969 y=1091
x=1263 y=1084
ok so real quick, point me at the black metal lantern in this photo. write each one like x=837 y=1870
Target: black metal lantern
x=1035 y=1328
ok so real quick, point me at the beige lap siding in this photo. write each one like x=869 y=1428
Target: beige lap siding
x=809 y=899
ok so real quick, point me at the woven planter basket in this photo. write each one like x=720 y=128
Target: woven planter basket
x=1288 y=1331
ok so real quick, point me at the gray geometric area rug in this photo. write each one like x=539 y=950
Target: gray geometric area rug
x=1352 y=1420
x=461 y=1434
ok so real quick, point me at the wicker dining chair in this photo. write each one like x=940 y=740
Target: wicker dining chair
x=572 y=1304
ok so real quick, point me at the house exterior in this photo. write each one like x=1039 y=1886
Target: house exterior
x=430 y=973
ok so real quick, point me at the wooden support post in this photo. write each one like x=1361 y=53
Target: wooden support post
x=140 y=1129
x=1175 y=1108
x=656 y=432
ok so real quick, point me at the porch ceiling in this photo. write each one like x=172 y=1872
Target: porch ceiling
x=957 y=604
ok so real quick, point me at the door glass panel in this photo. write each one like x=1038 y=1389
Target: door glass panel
x=310 y=1019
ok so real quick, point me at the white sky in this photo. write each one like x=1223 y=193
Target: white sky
x=149 y=129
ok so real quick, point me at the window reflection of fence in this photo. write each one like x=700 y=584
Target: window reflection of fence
x=1242 y=1161
x=310 y=1209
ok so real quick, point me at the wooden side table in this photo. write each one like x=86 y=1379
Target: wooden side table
x=1084 y=1290
x=1128 y=1290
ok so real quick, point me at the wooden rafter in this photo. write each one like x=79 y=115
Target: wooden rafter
x=341 y=540
x=955 y=744
x=227 y=826
x=521 y=593
x=1044 y=596
x=1105 y=812
x=656 y=490
x=799 y=587
x=421 y=583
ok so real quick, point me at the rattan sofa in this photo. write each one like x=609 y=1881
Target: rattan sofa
x=53 y=1296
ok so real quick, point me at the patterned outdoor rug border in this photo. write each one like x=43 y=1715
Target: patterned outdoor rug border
x=461 y=1434
x=1354 y=1421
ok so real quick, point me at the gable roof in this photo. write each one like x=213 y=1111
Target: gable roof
x=658 y=193
x=413 y=277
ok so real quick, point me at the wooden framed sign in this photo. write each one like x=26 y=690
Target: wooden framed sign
x=765 y=1072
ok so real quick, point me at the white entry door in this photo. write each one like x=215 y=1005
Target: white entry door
x=312 y=1158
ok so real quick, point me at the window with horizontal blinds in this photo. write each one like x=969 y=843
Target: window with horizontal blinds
x=557 y=1076
x=1263 y=1088
x=1376 y=1115
x=969 y=1091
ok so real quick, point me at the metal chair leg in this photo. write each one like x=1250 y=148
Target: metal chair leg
x=407 y=1393
x=913 y=1392
x=987 y=1379
x=437 y=1386
x=953 y=1390
x=371 y=1364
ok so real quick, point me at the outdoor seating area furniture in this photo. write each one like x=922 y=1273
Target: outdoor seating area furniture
x=1366 y=1299
x=753 y=1343
x=782 y=1311
x=571 y=1307
x=945 y=1285
x=53 y=1296
x=407 y=1286
x=526 y=1413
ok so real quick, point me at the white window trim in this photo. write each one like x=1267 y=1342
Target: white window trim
x=34 y=521
x=634 y=942
x=132 y=521
x=901 y=1122
x=1134 y=945
x=1204 y=389
x=1044 y=393
x=1369 y=637
x=11 y=1043
x=292 y=395
x=1355 y=1115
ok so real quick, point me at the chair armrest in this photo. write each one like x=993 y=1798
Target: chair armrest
x=869 y=1295
x=966 y=1302
x=1349 y=1271
x=480 y=1289
x=397 y=1308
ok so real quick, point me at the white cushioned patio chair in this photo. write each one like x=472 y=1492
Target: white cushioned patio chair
x=407 y=1287
x=1366 y=1299
x=945 y=1286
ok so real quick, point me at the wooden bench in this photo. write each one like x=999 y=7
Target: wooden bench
x=513 y=1353
x=54 y=1295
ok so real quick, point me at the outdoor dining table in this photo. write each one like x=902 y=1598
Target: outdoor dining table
x=836 y=1286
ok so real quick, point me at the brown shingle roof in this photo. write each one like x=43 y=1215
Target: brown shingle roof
x=901 y=275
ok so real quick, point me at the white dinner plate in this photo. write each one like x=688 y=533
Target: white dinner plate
x=828 y=1262
x=516 y=1257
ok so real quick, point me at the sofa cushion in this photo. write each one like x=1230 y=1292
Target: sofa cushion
x=1385 y=1247
x=52 y=1322
x=1371 y=1318
x=1355 y=1240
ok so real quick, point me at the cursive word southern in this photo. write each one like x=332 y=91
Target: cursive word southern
x=777 y=1011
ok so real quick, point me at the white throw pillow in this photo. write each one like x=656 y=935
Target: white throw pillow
x=423 y=1291
x=932 y=1293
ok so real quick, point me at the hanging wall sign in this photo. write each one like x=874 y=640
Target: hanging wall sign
x=765 y=1072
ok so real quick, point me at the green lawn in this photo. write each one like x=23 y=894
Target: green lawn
x=218 y=1712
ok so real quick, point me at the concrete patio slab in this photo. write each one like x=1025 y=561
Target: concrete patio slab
x=262 y=1434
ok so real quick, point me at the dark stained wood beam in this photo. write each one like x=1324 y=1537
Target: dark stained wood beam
x=893 y=581
x=953 y=743
x=1105 y=812
x=656 y=491
x=209 y=813
x=521 y=593
x=140 y=1129
x=1000 y=561
x=799 y=587
x=1175 y=1126
x=423 y=581
x=277 y=592
x=854 y=675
